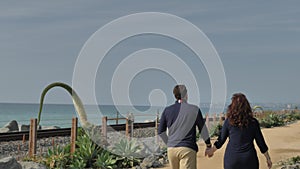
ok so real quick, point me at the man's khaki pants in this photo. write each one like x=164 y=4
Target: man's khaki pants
x=182 y=158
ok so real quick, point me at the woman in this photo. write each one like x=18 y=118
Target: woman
x=242 y=129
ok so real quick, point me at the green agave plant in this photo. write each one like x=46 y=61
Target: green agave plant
x=86 y=152
x=128 y=151
x=106 y=160
x=57 y=157
x=126 y=148
x=77 y=163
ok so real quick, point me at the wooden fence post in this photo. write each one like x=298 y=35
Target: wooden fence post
x=131 y=128
x=117 y=120
x=53 y=142
x=127 y=128
x=207 y=120
x=104 y=128
x=129 y=123
x=74 y=134
x=156 y=123
x=221 y=116
x=32 y=137
x=214 y=118
x=156 y=127
x=24 y=139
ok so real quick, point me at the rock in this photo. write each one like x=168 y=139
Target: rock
x=4 y=130
x=142 y=167
x=12 y=126
x=50 y=127
x=157 y=164
x=32 y=165
x=137 y=167
x=148 y=161
x=24 y=127
x=9 y=163
x=163 y=161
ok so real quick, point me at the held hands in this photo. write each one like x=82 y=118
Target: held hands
x=209 y=152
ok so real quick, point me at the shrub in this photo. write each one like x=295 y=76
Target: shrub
x=57 y=157
x=215 y=130
x=295 y=160
x=290 y=161
x=272 y=120
x=291 y=116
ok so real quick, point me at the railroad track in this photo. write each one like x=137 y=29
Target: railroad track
x=13 y=136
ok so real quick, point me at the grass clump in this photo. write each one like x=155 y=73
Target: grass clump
x=270 y=119
x=290 y=162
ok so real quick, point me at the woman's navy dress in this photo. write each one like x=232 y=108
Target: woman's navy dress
x=240 y=151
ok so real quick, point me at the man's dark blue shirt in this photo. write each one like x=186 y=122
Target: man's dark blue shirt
x=181 y=120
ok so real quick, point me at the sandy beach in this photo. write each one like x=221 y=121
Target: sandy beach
x=283 y=142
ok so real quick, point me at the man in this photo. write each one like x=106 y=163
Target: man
x=181 y=120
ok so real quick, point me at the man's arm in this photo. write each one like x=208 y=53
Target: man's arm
x=203 y=129
x=162 y=128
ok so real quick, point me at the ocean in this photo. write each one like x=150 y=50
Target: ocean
x=61 y=114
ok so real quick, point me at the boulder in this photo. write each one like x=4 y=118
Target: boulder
x=32 y=165
x=4 y=130
x=9 y=163
x=12 y=126
x=50 y=127
x=24 y=127
x=148 y=161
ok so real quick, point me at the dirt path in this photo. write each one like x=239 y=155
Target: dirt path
x=283 y=142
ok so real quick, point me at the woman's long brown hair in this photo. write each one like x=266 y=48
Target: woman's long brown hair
x=239 y=112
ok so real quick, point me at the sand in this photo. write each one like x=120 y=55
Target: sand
x=283 y=143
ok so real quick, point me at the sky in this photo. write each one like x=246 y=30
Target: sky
x=257 y=42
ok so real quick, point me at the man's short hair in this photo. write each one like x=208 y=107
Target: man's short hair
x=179 y=91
